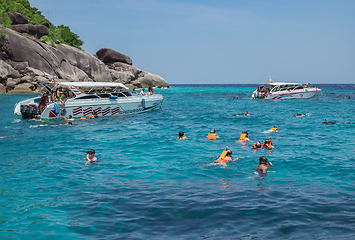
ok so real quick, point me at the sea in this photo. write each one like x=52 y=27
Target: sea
x=147 y=184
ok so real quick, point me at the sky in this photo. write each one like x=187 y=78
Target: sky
x=219 y=42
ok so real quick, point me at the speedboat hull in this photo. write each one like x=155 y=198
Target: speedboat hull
x=297 y=94
x=102 y=107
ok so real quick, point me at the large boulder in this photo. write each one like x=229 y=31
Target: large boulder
x=69 y=63
x=36 y=30
x=35 y=60
x=108 y=55
x=2 y=88
x=17 y=18
x=6 y=71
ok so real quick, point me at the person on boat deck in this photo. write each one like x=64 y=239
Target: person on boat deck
x=181 y=136
x=134 y=93
x=212 y=135
x=246 y=113
x=90 y=156
x=306 y=85
x=43 y=102
x=263 y=165
x=142 y=93
x=225 y=157
x=150 y=90
x=257 y=145
x=244 y=136
x=59 y=96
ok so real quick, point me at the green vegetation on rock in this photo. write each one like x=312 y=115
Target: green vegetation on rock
x=35 y=17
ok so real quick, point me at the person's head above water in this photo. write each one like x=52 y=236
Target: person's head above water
x=262 y=160
x=213 y=131
x=181 y=134
x=91 y=151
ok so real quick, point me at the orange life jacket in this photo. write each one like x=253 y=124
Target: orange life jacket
x=274 y=129
x=242 y=136
x=223 y=155
x=211 y=136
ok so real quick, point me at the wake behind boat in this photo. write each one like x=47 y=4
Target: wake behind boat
x=82 y=99
x=283 y=90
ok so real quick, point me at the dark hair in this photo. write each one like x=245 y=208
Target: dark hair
x=181 y=134
x=91 y=151
x=229 y=153
x=70 y=116
x=262 y=159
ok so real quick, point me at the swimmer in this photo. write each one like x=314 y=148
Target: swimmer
x=299 y=115
x=181 y=136
x=244 y=136
x=257 y=145
x=225 y=157
x=328 y=123
x=238 y=115
x=212 y=135
x=90 y=156
x=273 y=129
x=263 y=165
x=70 y=118
x=235 y=97
x=268 y=143
x=94 y=115
x=246 y=113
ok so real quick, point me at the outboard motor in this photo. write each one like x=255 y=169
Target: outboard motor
x=28 y=110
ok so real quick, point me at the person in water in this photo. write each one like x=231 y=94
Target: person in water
x=225 y=157
x=273 y=129
x=268 y=143
x=94 y=115
x=181 y=136
x=257 y=145
x=246 y=113
x=244 y=136
x=90 y=156
x=263 y=165
x=212 y=135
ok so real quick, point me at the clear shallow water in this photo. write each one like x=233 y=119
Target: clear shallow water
x=149 y=185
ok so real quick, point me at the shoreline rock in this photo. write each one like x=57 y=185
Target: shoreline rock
x=26 y=61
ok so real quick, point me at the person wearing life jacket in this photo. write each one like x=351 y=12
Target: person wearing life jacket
x=244 y=136
x=274 y=128
x=257 y=145
x=212 y=135
x=267 y=144
x=225 y=157
x=43 y=102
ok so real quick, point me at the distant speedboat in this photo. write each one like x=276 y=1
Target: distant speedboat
x=283 y=90
x=83 y=99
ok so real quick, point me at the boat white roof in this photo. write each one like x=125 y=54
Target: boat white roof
x=282 y=83
x=92 y=84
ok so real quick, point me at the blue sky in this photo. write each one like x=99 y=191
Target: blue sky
x=213 y=42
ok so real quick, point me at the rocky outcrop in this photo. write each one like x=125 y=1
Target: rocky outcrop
x=35 y=30
x=17 y=18
x=108 y=55
x=27 y=61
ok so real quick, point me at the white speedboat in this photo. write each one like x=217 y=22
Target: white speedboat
x=83 y=99
x=283 y=90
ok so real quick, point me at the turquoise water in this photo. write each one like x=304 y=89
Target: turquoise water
x=149 y=185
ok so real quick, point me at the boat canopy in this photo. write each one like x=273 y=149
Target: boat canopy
x=92 y=84
x=283 y=84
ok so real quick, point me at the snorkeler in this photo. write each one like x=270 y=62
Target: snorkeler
x=181 y=136
x=244 y=136
x=212 y=135
x=257 y=145
x=268 y=143
x=225 y=157
x=90 y=156
x=263 y=165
